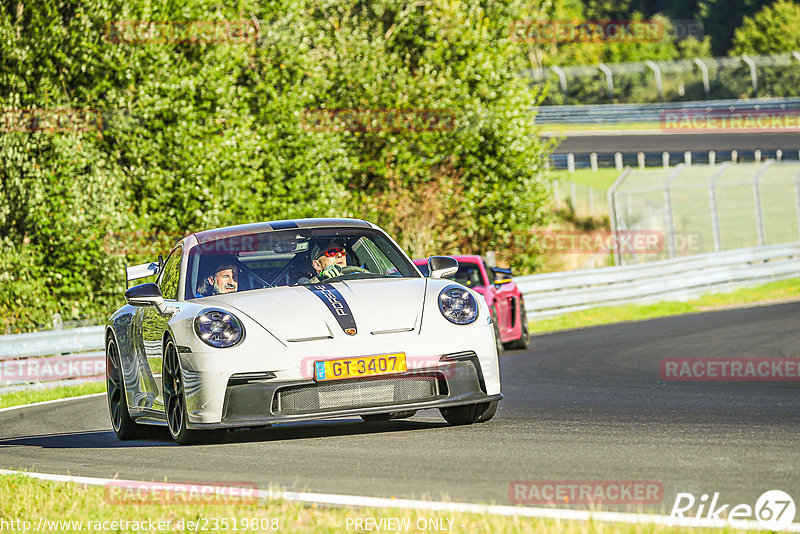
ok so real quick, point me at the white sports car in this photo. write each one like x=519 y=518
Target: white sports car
x=273 y=322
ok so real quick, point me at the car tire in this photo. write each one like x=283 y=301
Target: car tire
x=524 y=336
x=124 y=426
x=175 y=403
x=497 y=341
x=469 y=413
x=488 y=413
x=378 y=417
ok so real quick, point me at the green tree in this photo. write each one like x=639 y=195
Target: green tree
x=722 y=17
x=479 y=178
x=197 y=134
x=774 y=29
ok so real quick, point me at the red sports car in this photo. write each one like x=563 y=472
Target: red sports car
x=501 y=293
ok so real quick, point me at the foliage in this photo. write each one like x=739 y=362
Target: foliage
x=722 y=17
x=774 y=29
x=196 y=134
x=692 y=47
x=717 y=19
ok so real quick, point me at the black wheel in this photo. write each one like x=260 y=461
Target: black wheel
x=175 y=402
x=524 y=336
x=124 y=427
x=497 y=341
x=469 y=413
x=377 y=417
x=488 y=413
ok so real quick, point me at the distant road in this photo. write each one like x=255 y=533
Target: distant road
x=657 y=142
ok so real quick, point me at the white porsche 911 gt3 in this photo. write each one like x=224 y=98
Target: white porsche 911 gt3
x=273 y=322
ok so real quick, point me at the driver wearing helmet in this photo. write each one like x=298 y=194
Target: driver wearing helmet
x=331 y=261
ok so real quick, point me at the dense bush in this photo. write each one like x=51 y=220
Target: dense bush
x=184 y=136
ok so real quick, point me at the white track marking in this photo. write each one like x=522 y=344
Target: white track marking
x=50 y=402
x=379 y=502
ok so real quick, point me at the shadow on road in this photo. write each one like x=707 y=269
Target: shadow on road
x=105 y=439
x=327 y=429
x=90 y=439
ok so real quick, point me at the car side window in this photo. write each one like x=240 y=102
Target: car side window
x=172 y=272
x=368 y=254
x=468 y=274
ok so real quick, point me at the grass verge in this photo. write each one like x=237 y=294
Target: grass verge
x=39 y=395
x=771 y=292
x=602 y=179
x=56 y=504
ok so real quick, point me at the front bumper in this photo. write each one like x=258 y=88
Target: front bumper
x=267 y=401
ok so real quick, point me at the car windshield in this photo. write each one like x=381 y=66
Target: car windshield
x=286 y=258
x=468 y=274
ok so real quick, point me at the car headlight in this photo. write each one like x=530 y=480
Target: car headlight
x=218 y=328
x=458 y=305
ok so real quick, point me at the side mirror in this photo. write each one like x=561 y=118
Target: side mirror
x=441 y=266
x=146 y=295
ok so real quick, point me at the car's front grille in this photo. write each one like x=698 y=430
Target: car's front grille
x=359 y=393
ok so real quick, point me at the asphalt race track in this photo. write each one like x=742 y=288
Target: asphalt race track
x=636 y=142
x=580 y=405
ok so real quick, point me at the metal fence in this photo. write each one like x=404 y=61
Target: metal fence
x=707 y=208
x=582 y=200
x=678 y=80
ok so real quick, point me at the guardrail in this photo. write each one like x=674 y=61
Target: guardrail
x=52 y=356
x=678 y=279
x=626 y=113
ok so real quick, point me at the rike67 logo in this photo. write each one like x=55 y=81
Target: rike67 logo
x=774 y=510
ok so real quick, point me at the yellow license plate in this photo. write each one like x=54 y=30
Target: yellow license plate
x=382 y=364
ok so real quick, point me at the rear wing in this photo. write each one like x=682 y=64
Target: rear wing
x=501 y=276
x=141 y=271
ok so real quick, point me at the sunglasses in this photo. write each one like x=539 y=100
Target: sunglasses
x=334 y=251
